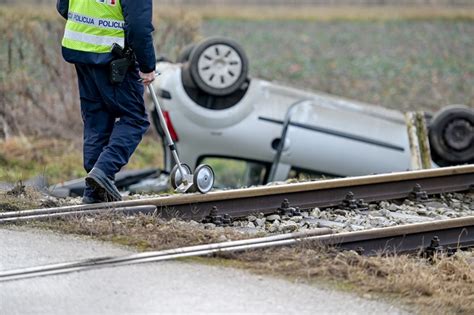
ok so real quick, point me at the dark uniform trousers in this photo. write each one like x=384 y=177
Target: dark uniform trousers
x=114 y=117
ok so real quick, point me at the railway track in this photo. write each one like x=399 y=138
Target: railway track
x=268 y=199
x=425 y=237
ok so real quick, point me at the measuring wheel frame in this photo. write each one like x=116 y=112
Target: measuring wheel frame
x=181 y=178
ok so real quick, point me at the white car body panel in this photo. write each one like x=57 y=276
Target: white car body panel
x=329 y=135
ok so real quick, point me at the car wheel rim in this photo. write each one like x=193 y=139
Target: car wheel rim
x=458 y=134
x=219 y=66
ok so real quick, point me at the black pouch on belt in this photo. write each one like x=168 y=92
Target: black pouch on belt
x=120 y=66
x=118 y=70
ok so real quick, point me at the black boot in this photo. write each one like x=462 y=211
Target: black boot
x=104 y=186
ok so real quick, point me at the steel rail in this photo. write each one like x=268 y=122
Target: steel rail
x=457 y=232
x=155 y=255
x=146 y=209
x=241 y=202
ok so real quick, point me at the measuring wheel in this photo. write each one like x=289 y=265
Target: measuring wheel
x=203 y=178
x=175 y=175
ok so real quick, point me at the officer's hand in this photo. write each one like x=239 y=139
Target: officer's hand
x=147 y=78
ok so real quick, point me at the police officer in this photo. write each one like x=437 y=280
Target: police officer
x=114 y=114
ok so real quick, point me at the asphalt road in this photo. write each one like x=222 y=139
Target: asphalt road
x=153 y=288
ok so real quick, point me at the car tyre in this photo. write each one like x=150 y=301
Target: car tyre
x=451 y=135
x=185 y=53
x=186 y=78
x=218 y=66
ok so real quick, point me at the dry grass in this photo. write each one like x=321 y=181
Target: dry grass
x=19 y=198
x=444 y=286
x=38 y=89
x=144 y=232
x=58 y=160
x=55 y=159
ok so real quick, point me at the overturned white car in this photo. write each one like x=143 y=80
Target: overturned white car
x=219 y=116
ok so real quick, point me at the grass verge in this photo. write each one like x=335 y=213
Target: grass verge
x=19 y=198
x=144 y=232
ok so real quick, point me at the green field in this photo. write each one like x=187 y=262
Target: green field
x=402 y=64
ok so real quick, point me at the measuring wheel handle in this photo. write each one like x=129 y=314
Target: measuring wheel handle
x=176 y=177
x=203 y=179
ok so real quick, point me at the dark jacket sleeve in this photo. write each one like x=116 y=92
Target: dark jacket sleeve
x=138 y=16
x=63 y=6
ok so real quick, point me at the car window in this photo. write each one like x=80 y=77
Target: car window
x=302 y=175
x=235 y=173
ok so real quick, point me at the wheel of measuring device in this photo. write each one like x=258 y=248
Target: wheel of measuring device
x=175 y=176
x=218 y=66
x=203 y=178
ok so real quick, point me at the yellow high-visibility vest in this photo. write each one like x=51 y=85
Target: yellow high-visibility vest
x=94 y=25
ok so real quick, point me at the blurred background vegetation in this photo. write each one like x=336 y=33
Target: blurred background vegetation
x=407 y=54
